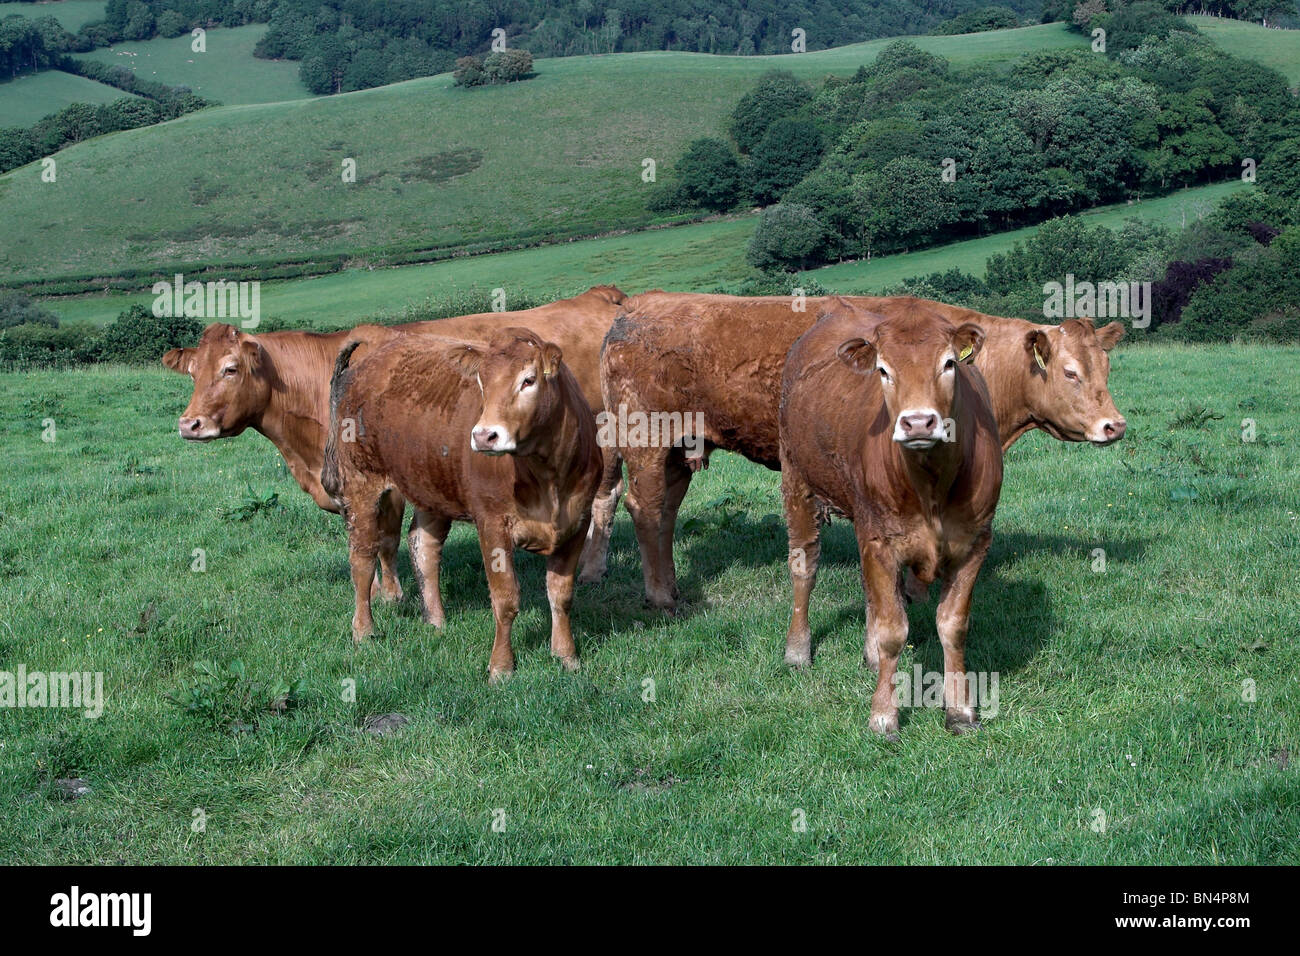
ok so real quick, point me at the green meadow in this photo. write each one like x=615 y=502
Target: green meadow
x=1279 y=49
x=30 y=97
x=226 y=72
x=693 y=258
x=1146 y=711
x=71 y=14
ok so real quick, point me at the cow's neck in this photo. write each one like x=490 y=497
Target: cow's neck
x=296 y=416
x=1002 y=362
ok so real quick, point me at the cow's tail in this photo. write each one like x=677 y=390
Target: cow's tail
x=331 y=478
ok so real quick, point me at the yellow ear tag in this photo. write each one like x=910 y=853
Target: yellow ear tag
x=965 y=353
x=1039 y=359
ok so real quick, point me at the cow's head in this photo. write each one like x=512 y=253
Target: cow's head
x=1069 y=369
x=518 y=374
x=915 y=357
x=231 y=383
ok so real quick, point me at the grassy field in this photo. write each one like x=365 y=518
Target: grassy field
x=72 y=14
x=1120 y=692
x=434 y=164
x=694 y=258
x=1279 y=49
x=30 y=97
x=228 y=72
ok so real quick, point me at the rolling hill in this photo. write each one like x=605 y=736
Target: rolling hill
x=434 y=164
x=29 y=97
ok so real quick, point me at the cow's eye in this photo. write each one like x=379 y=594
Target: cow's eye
x=949 y=365
x=230 y=370
x=530 y=381
x=1072 y=375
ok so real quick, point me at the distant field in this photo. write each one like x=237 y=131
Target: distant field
x=227 y=72
x=1279 y=49
x=433 y=163
x=72 y=14
x=30 y=97
x=686 y=258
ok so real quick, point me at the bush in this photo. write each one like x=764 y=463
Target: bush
x=38 y=345
x=1171 y=294
x=1257 y=297
x=787 y=237
x=17 y=308
x=469 y=72
x=709 y=176
x=777 y=95
x=789 y=150
x=139 y=337
x=979 y=21
x=508 y=66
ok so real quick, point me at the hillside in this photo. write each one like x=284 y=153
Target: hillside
x=435 y=164
x=696 y=258
x=1279 y=49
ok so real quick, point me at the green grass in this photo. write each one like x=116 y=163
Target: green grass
x=31 y=97
x=692 y=258
x=1279 y=49
x=72 y=14
x=434 y=164
x=228 y=72
x=1119 y=692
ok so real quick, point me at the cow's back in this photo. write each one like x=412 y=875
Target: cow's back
x=721 y=356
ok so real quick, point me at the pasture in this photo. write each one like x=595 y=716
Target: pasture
x=1121 y=692
x=227 y=72
x=262 y=181
x=1279 y=49
x=71 y=14
x=698 y=257
x=30 y=97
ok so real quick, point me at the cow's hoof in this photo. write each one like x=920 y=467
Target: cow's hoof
x=390 y=597
x=499 y=675
x=798 y=659
x=886 y=725
x=594 y=576
x=434 y=620
x=362 y=634
x=570 y=663
x=958 y=724
x=669 y=609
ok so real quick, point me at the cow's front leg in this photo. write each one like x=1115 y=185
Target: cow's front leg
x=804 y=554
x=428 y=533
x=952 y=620
x=886 y=632
x=560 y=568
x=499 y=562
x=595 y=555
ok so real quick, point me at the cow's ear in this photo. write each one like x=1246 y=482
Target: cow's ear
x=179 y=360
x=968 y=340
x=1109 y=335
x=251 y=351
x=551 y=356
x=1039 y=347
x=859 y=355
x=466 y=358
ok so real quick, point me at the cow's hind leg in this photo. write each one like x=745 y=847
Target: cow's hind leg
x=646 y=468
x=952 y=620
x=804 y=555
x=389 y=586
x=362 y=516
x=677 y=481
x=560 y=568
x=428 y=534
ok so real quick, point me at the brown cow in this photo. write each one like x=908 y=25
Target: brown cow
x=882 y=420
x=499 y=435
x=721 y=357
x=277 y=383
